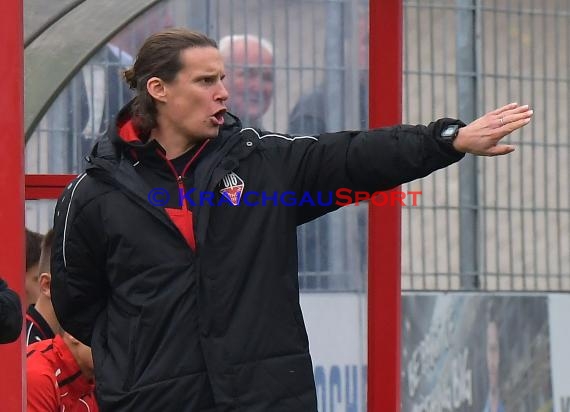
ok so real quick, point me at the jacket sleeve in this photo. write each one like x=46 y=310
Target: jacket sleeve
x=10 y=314
x=370 y=161
x=78 y=284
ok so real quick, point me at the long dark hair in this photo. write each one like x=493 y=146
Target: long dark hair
x=159 y=56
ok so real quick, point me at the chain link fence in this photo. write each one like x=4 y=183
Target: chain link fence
x=491 y=223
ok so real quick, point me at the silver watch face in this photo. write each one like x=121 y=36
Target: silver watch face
x=449 y=131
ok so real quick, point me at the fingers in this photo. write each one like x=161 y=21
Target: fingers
x=511 y=115
x=500 y=150
x=515 y=121
x=500 y=110
x=512 y=126
x=511 y=120
x=526 y=115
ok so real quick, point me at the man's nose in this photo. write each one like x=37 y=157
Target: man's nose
x=223 y=93
x=254 y=85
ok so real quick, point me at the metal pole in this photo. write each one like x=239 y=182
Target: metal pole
x=467 y=104
x=198 y=16
x=334 y=105
x=385 y=235
x=334 y=59
x=12 y=381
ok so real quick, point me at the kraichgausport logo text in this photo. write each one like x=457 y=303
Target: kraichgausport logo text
x=232 y=193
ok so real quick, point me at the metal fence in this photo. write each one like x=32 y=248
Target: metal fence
x=492 y=224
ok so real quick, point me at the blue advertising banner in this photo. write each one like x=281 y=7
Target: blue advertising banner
x=475 y=353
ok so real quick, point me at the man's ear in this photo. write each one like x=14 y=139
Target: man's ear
x=156 y=88
x=45 y=284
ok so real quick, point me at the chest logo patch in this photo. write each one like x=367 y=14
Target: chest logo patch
x=232 y=188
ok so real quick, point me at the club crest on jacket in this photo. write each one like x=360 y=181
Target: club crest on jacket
x=232 y=188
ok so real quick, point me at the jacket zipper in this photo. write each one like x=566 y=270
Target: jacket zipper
x=180 y=177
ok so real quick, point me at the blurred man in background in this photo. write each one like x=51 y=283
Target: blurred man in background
x=309 y=115
x=41 y=322
x=250 y=78
x=33 y=250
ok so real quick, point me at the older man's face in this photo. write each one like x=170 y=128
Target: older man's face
x=249 y=80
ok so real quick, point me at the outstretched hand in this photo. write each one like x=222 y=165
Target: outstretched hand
x=482 y=136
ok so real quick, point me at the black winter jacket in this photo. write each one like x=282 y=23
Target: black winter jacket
x=209 y=320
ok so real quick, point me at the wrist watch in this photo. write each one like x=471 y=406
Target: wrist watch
x=449 y=133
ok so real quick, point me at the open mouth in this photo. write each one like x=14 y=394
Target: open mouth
x=219 y=117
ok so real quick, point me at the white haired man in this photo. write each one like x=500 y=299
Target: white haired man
x=250 y=79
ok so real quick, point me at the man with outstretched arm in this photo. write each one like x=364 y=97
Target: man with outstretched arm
x=193 y=306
